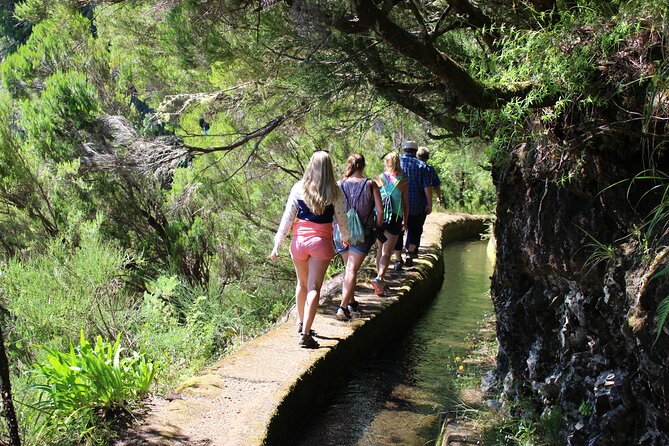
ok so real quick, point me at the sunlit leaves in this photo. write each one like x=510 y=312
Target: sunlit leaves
x=60 y=43
x=51 y=121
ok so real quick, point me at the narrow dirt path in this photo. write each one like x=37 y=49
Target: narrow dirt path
x=234 y=401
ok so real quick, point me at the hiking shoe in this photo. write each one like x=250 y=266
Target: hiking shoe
x=378 y=286
x=299 y=330
x=353 y=305
x=398 y=265
x=409 y=260
x=306 y=341
x=343 y=314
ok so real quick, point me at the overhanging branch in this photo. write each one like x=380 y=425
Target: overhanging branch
x=260 y=133
x=468 y=90
x=118 y=147
x=393 y=92
x=445 y=68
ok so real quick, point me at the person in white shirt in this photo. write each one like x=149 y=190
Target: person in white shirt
x=313 y=204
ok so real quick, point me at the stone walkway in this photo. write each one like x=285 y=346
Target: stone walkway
x=263 y=392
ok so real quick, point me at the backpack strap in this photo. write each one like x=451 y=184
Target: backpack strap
x=348 y=201
x=394 y=185
x=359 y=195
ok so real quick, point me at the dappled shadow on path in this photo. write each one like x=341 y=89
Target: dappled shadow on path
x=169 y=434
x=153 y=437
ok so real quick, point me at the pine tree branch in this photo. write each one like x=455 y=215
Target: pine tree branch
x=260 y=133
x=455 y=77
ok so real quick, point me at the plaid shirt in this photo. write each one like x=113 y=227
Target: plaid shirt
x=418 y=177
x=434 y=178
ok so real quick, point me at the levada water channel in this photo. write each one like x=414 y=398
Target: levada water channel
x=396 y=397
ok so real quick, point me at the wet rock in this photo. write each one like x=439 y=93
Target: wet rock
x=574 y=321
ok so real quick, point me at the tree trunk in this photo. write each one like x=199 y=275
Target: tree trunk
x=6 y=389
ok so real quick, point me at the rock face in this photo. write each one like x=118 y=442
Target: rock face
x=573 y=293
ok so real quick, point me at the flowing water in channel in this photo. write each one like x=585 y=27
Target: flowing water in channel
x=395 y=398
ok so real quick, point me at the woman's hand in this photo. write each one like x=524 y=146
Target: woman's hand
x=275 y=254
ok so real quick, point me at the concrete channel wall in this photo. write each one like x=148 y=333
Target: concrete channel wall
x=398 y=310
x=263 y=393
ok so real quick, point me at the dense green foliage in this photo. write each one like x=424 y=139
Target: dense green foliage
x=174 y=261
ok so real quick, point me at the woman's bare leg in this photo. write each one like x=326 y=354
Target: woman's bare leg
x=387 y=249
x=317 y=268
x=351 y=276
x=302 y=273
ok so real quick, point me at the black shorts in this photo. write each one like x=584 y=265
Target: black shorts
x=394 y=227
x=415 y=229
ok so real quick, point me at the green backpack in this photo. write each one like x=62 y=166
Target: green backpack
x=386 y=199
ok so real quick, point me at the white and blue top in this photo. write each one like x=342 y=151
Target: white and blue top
x=310 y=223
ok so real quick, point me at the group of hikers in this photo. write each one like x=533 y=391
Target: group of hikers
x=364 y=212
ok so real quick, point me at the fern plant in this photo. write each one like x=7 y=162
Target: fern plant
x=662 y=310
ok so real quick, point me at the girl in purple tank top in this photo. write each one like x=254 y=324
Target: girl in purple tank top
x=363 y=195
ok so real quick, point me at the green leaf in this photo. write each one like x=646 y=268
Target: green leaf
x=662 y=312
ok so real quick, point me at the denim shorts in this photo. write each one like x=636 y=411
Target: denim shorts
x=360 y=248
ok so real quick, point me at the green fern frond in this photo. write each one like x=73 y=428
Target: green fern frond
x=662 y=312
x=663 y=272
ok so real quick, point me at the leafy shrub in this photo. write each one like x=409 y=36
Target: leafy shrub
x=68 y=104
x=60 y=43
x=77 y=386
x=185 y=327
x=464 y=184
x=54 y=294
x=92 y=377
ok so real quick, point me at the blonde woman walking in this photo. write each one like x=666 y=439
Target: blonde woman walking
x=395 y=196
x=361 y=194
x=314 y=202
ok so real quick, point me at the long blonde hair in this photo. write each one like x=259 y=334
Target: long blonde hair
x=392 y=163
x=320 y=186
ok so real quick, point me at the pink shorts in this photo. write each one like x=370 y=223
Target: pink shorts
x=302 y=247
x=312 y=239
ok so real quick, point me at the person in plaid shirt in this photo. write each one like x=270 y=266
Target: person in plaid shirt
x=424 y=155
x=420 y=201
